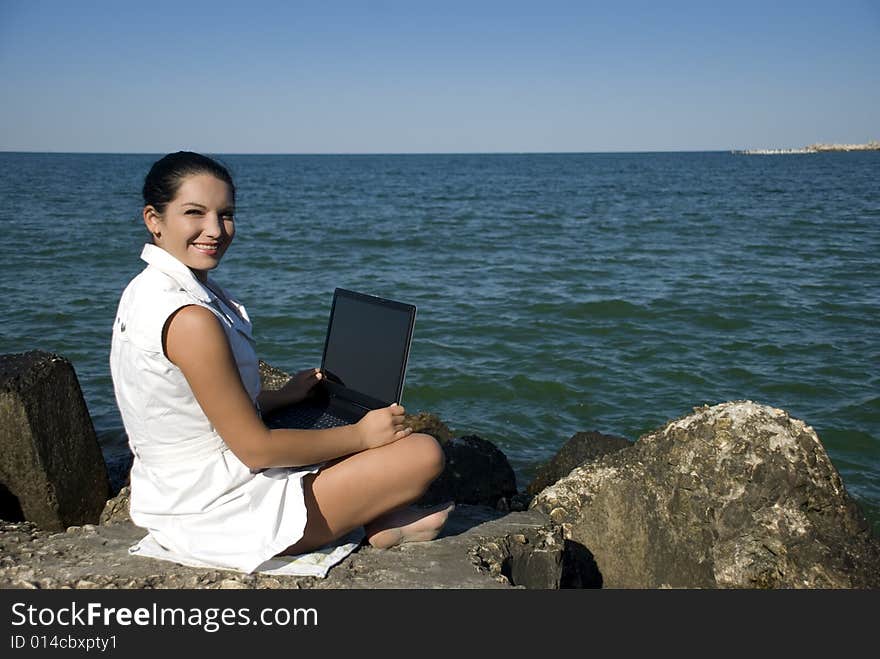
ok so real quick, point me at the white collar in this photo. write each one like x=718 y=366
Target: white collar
x=165 y=262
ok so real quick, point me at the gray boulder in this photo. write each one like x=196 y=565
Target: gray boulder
x=738 y=495
x=51 y=468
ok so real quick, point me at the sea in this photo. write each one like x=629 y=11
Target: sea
x=556 y=293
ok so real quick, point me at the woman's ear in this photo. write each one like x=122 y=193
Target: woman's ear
x=153 y=221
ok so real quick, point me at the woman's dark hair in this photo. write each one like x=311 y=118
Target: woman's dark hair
x=167 y=174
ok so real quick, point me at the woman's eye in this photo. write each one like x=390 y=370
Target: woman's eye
x=193 y=211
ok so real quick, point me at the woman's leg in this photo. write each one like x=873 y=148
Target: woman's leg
x=371 y=489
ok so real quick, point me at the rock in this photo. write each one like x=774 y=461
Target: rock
x=532 y=558
x=520 y=501
x=51 y=468
x=272 y=378
x=429 y=424
x=232 y=584
x=581 y=448
x=116 y=509
x=738 y=495
x=476 y=473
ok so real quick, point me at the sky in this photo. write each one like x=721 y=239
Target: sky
x=436 y=77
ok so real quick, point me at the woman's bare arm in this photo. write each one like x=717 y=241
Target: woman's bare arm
x=196 y=343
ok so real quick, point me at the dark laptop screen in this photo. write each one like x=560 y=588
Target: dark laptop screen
x=367 y=344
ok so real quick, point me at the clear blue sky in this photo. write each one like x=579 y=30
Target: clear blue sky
x=411 y=76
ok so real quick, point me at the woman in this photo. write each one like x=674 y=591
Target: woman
x=209 y=480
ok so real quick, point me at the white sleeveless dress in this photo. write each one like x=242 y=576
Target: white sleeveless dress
x=196 y=498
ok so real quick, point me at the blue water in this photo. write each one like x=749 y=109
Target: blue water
x=557 y=292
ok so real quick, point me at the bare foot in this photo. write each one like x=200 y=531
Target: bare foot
x=407 y=525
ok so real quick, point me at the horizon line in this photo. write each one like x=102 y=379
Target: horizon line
x=364 y=153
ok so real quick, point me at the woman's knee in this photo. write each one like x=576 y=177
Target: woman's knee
x=431 y=459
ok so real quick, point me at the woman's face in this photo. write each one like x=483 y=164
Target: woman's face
x=197 y=225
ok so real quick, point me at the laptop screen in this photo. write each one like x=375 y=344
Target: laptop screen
x=367 y=347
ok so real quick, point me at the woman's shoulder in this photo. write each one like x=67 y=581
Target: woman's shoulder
x=147 y=302
x=154 y=280
x=154 y=287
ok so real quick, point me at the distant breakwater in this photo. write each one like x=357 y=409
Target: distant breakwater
x=873 y=145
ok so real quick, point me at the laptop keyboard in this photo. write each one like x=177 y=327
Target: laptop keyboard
x=304 y=417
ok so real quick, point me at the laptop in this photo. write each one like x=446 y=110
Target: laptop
x=366 y=352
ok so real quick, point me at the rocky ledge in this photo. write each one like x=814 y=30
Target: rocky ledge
x=480 y=548
x=737 y=495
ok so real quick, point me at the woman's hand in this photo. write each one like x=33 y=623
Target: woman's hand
x=382 y=426
x=299 y=386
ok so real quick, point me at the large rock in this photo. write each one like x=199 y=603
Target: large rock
x=476 y=473
x=735 y=495
x=51 y=468
x=581 y=447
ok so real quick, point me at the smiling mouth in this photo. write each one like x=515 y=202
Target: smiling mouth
x=207 y=248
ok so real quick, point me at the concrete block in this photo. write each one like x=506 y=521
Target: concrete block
x=52 y=471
